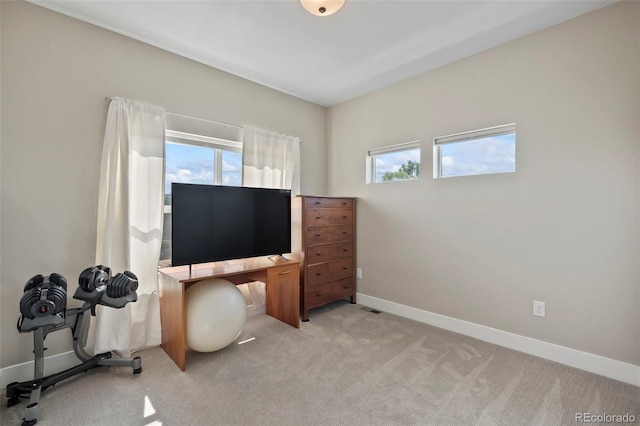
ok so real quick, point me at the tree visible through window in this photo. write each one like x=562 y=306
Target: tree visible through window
x=394 y=163
x=409 y=170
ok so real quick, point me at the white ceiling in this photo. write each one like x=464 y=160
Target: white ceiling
x=367 y=45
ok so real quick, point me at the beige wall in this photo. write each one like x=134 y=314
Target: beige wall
x=56 y=72
x=563 y=229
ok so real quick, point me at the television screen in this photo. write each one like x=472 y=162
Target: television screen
x=212 y=223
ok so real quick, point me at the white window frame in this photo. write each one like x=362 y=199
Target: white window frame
x=217 y=144
x=462 y=137
x=372 y=153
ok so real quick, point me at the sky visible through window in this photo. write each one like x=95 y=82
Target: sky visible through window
x=391 y=161
x=195 y=164
x=494 y=154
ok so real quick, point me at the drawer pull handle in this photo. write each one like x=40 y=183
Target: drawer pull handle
x=318 y=235
x=317 y=203
x=344 y=268
x=345 y=287
x=318 y=217
x=283 y=272
x=318 y=254
x=344 y=217
x=318 y=294
x=345 y=250
x=318 y=274
x=344 y=232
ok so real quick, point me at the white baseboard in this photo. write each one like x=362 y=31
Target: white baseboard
x=25 y=371
x=597 y=364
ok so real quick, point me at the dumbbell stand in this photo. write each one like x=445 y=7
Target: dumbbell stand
x=78 y=320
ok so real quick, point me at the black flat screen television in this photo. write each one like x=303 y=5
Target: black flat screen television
x=210 y=223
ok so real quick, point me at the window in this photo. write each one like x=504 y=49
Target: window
x=191 y=158
x=479 y=152
x=394 y=163
x=202 y=159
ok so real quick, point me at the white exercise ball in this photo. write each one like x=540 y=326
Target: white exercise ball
x=215 y=314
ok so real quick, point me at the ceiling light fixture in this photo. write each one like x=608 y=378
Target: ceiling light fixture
x=322 y=7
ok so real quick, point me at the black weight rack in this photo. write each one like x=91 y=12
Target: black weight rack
x=97 y=288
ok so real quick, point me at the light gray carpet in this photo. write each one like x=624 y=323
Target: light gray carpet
x=347 y=366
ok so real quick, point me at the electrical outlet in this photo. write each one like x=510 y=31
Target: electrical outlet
x=358 y=272
x=538 y=309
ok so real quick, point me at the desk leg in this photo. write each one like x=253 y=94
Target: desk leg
x=172 y=319
x=283 y=300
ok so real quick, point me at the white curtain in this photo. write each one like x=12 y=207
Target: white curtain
x=270 y=160
x=130 y=213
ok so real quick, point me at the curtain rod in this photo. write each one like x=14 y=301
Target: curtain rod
x=110 y=98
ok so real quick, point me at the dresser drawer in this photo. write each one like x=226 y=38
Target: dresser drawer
x=328 y=252
x=319 y=217
x=330 y=271
x=328 y=292
x=328 y=203
x=329 y=234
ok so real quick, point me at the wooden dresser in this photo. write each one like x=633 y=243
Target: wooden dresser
x=323 y=234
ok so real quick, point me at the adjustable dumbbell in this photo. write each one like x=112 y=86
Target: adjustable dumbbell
x=44 y=296
x=122 y=284
x=94 y=277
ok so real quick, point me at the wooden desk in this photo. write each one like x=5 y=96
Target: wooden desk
x=282 y=279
